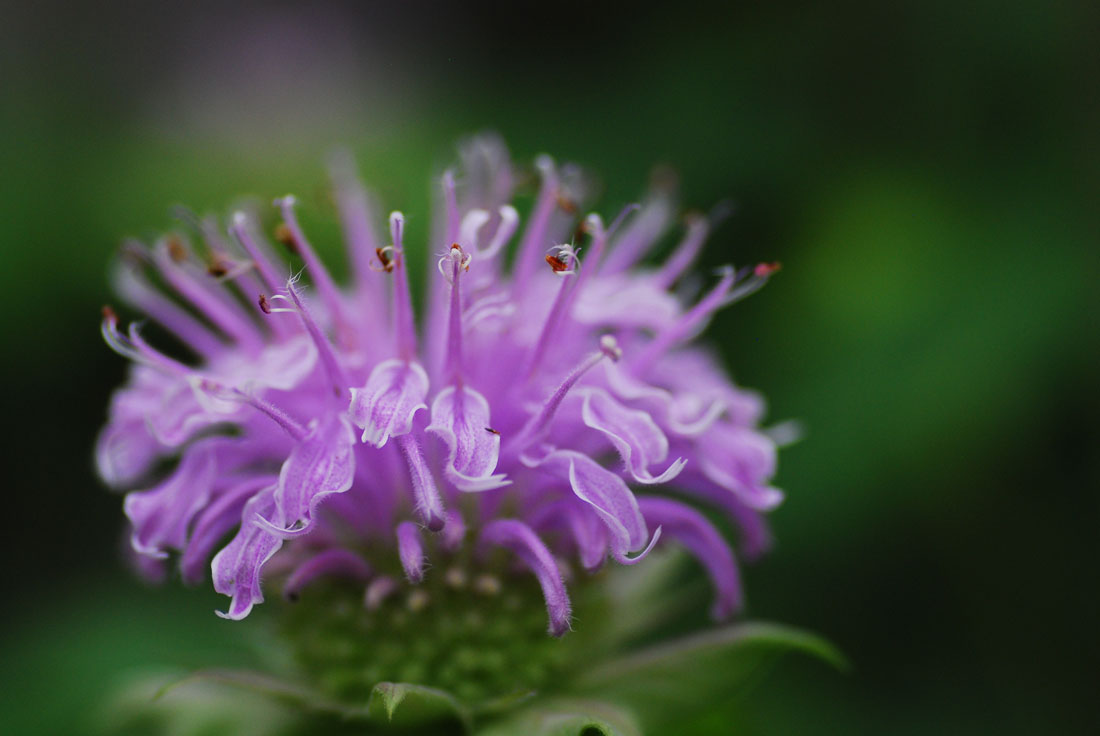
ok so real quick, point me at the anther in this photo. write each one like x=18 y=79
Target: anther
x=565 y=203
x=109 y=313
x=557 y=264
x=385 y=258
x=177 y=251
x=217 y=267
x=766 y=269
x=264 y=306
x=609 y=346
x=490 y=430
x=285 y=235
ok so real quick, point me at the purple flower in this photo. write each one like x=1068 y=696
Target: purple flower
x=559 y=403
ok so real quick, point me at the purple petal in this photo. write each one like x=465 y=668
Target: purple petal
x=429 y=504
x=607 y=494
x=693 y=531
x=525 y=544
x=460 y=419
x=590 y=536
x=411 y=551
x=161 y=516
x=742 y=461
x=236 y=568
x=215 y=522
x=385 y=406
x=124 y=452
x=320 y=465
x=755 y=536
x=633 y=432
x=454 y=533
x=685 y=414
x=336 y=561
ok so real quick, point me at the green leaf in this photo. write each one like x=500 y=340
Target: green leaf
x=407 y=704
x=674 y=679
x=567 y=718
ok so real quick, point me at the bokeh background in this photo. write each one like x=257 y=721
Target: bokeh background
x=928 y=172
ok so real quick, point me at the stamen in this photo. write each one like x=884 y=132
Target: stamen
x=564 y=268
x=536 y=427
x=242 y=231
x=450 y=204
x=214 y=303
x=321 y=277
x=335 y=372
x=750 y=280
x=642 y=234
x=451 y=266
x=139 y=293
x=355 y=210
x=685 y=253
x=686 y=325
x=567 y=295
x=429 y=504
x=404 y=327
x=133 y=347
x=534 y=236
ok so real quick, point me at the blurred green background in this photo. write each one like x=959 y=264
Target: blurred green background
x=927 y=172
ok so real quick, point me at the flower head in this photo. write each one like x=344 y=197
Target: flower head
x=556 y=409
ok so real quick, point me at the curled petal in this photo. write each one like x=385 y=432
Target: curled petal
x=217 y=520
x=526 y=545
x=386 y=405
x=411 y=551
x=321 y=465
x=161 y=516
x=684 y=414
x=742 y=461
x=124 y=452
x=608 y=495
x=460 y=419
x=691 y=529
x=236 y=568
x=590 y=536
x=633 y=432
x=336 y=561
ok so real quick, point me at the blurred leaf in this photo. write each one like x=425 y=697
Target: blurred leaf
x=567 y=718
x=407 y=704
x=669 y=681
x=190 y=707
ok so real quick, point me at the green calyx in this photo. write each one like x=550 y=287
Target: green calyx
x=477 y=637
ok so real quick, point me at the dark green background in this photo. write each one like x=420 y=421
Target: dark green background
x=927 y=173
